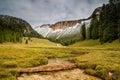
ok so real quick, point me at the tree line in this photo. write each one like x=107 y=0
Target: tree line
x=13 y=29
x=105 y=27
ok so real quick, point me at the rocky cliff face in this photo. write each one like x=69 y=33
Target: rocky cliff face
x=63 y=29
x=64 y=24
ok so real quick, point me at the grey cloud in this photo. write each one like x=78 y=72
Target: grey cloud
x=38 y=12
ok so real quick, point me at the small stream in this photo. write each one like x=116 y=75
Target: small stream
x=74 y=74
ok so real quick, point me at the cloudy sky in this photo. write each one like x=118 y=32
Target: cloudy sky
x=38 y=12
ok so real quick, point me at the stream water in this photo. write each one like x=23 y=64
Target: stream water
x=74 y=74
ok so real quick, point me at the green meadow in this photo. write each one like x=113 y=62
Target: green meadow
x=98 y=60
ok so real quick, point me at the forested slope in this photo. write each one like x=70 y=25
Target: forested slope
x=13 y=29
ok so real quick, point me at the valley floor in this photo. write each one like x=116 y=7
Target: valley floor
x=102 y=62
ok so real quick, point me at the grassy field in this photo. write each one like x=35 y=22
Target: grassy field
x=96 y=44
x=98 y=60
x=20 y=55
x=102 y=61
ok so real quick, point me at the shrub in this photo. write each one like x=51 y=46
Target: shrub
x=116 y=74
x=90 y=72
x=86 y=65
x=103 y=72
x=10 y=64
x=99 y=67
x=72 y=60
x=82 y=66
x=78 y=52
x=6 y=75
x=32 y=62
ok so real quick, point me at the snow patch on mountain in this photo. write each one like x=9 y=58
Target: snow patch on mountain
x=72 y=31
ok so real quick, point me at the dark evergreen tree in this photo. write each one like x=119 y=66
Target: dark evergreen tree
x=26 y=42
x=94 y=28
x=88 y=33
x=83 y=32
x=108 y=24
x=119 y=30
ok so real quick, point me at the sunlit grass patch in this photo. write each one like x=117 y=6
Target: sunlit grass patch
x=101 y=63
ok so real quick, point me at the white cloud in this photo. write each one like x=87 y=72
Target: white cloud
x=38 y=12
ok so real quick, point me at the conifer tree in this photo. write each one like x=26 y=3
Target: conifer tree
x=83 y=32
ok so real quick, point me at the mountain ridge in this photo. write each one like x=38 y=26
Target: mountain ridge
x=65 y=31
x=70 y=23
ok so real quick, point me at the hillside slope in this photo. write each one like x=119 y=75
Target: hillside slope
x=96 y=44
x=12 y=29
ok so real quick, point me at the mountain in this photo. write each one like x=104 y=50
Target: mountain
x=12 y=29
x=63 y=31
x=103 y=24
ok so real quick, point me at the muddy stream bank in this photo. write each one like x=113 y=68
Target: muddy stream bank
x=56 y=69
